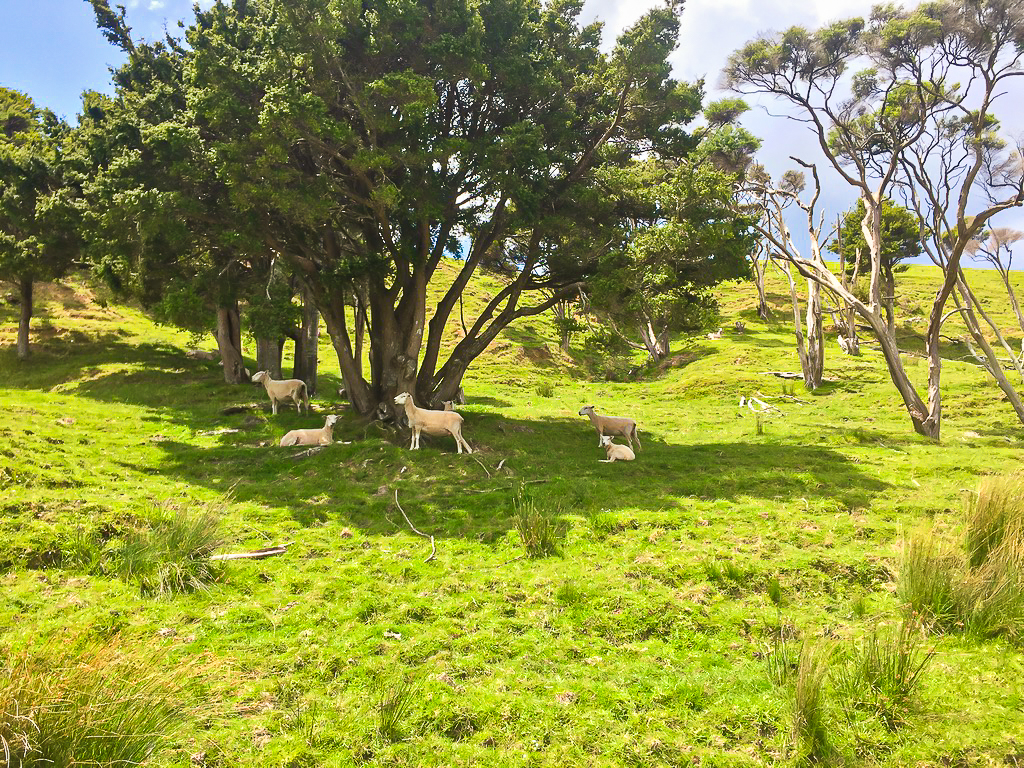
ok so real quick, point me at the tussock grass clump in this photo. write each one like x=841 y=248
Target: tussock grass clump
x=173 y=554
x=539 y=529
x=394 y=700
x=810 y=720
x=884 y=674
x=980 y=589
x=99 y=708
x=994 y=518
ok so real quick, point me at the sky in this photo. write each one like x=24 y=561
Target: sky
x=52 y=50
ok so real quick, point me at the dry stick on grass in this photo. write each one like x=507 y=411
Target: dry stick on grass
x=474 y=458
x=257 y=554
x=433 y=549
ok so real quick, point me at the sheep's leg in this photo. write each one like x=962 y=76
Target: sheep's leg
x=412 y=440
x=606 y=461
x=635 y=435
x=600 y=434
x=273 y=406
x=458 y=441
x=298 y=405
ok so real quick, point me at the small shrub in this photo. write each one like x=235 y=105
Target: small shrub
x=884 y=674
x=546 y=389
x=774 y=590
x=570 y=594
x=539 y=529
x=394 y=700
x=101 y=707
x=173 y=554
x=810 y=727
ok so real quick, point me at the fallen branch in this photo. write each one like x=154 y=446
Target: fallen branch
x=782 y=397
x=761 y=405
x=308 y=452
x=474 y=458
x=257 y=554
x=433 y=549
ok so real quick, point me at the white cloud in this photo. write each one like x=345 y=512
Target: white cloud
x=156 y=5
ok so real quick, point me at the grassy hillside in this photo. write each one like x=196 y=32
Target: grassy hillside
x=649 y=638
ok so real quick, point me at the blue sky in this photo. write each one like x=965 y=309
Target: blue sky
x=52 y=50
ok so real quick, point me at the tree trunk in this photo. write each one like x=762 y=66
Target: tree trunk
x=306 y=353
x=25 y=318
x=815 y=336
x=268 y=356
x=871 y=229
x=889 y=301
x=762 y=301
x=229 y=342
x=652 y=340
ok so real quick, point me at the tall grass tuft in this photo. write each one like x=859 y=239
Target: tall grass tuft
x=884 y=674
x=979 y=590
x=927 y=581
x=173 y=554
x=99 y=708
x=539 y=529
x=394 y=700
x=994 y=516
x=810 y=727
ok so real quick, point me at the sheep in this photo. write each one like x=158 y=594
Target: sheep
x=449 y=405
x=322 y=436
x=715 y=335
x=615 y=452
x=611 y=425
x=283 y=389
x=432 y=422
x=739 y=326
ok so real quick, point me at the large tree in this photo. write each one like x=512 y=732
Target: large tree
x=38 y=212
x=366 y=142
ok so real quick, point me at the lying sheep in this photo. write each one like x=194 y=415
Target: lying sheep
x=615 y=452
x=283 y=389
x=611 y=425
x=432 y=422
x=322 y=436
x=715 y=335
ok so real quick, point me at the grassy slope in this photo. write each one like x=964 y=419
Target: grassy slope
x=620 y=651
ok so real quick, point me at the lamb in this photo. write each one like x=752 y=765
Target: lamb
x=611 y=425
x=715 y=335
x=432 y=422
x=322 y=436
x=449 y=405
x=615 y=452
x=283 y=389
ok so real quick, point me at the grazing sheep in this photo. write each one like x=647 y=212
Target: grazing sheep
x=615 y=452
x=322 y=436
x=611 y=425
x=432 y=422
x=715 y=335
x=283 y=389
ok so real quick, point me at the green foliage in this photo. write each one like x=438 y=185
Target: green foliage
x=901 y=238
x=64 y=706
x=394 y=701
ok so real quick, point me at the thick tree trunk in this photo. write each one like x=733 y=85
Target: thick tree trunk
x=229 y=342
x=25 y=318
x=871 y=229
x=762 y=301
x=889 y=301
x=306 y=353
x=653 y=341
x=268 y=356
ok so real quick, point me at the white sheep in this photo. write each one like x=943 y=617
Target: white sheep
x=322 y=436
x=611 y=425
x=715 y=335
x=615 y=452
x=432 y=422
x=283 y=389
x=449 y=405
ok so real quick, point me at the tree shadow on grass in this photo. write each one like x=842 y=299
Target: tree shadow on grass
x=469 y=497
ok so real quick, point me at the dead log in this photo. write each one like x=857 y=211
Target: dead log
x=257 y=554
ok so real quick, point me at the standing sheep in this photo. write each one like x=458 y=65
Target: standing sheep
x=611 y=425
x=432 y=422
x=283 y=389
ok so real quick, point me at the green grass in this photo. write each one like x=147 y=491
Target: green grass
x=642 y=643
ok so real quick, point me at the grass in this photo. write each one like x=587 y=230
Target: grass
x=63 y=706
x=812 y=743
x=539 y=528
x=644 y=642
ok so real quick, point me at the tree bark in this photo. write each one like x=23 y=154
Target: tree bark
x=229 y=342
x=306 y=353
x=268 y=356
x=25 y=318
